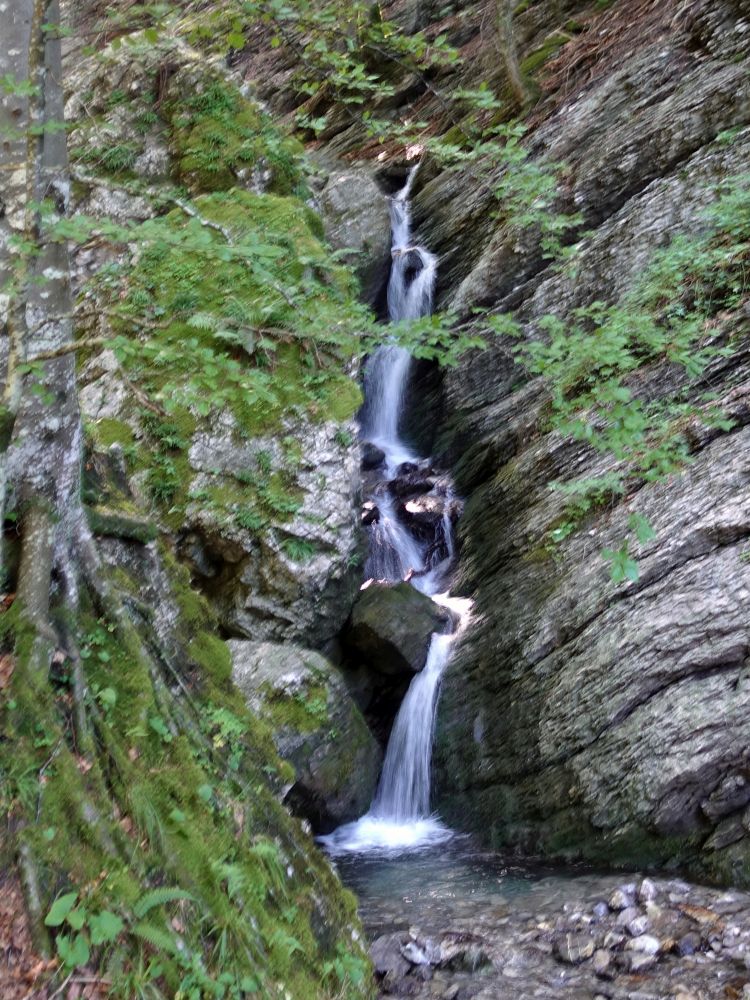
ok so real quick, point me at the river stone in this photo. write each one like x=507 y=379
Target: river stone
x=574 y=948
x=645 y=943
x=622 y=900
x=638 y=925
x=387 y=959
x=356 y=217
x=316 y=726
x=647 y=891
x=625 y=916
x=372 y=456
x=601 y=962
x=391 y=626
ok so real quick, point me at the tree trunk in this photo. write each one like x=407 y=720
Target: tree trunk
x=506 y=43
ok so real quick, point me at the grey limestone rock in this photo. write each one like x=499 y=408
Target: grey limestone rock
x=357 y=219
x=316 y=727
x=579 y=717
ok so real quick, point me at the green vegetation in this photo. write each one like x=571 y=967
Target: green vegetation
x=188 y=875
x=597 y=364
x=216 y=134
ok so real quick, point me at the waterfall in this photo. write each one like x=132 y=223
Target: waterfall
x=399 y=816
x=410 y=292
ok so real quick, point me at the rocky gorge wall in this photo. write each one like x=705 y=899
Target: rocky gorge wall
x=580 y=718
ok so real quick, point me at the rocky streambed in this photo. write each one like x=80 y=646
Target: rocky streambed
x=454 y=924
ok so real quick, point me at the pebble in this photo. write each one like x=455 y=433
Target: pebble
x=625 y=916
x=594 y=945
x=647 y=891
x=638 y=961
x=620 y=899
x=574 y=948
x=688 y=943
x=601 y=962
x=645 y=943
x=613 y=940
x=638 y=925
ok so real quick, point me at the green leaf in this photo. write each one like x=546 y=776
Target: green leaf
x=623 y=567
x=157 y=724
x=105 y=927
x=158 y=938
x=76 y=918
x=641 y=526
x=205 y=792
x=75 y=952
x=108 y=697
x=60 y=909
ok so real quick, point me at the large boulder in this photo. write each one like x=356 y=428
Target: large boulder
x=390 y=628
x=316 y=726
x=357 y=219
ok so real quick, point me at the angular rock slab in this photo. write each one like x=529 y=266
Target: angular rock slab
x=391 y=626
x=357 y=219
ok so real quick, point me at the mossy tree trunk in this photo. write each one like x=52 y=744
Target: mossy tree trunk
x=140 y=792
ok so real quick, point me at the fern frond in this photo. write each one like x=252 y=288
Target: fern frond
x=158 y=897
x=156 y=936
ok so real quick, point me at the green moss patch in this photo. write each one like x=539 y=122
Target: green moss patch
x=539 y=56
x=217 y=135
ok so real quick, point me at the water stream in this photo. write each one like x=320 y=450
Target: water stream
x=428 y=894
x=399 y=817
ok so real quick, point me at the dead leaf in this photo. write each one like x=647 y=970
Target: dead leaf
x=7 y=666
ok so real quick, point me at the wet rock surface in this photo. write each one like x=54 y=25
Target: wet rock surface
x=390 y=628
x=589 y=937
x=422 y=499
x=578 y=717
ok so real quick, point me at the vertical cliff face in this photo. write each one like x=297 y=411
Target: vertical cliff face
x=582 y=717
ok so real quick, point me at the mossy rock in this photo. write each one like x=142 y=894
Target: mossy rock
x=316 y=726
x=219 y=138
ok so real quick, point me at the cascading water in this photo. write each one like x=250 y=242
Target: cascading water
x=399 y=816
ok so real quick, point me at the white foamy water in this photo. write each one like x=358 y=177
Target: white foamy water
x=399 y=817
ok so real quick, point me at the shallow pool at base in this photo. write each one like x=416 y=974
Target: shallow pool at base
x=453 y=882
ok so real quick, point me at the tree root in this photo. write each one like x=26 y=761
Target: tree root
x=32 y=898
